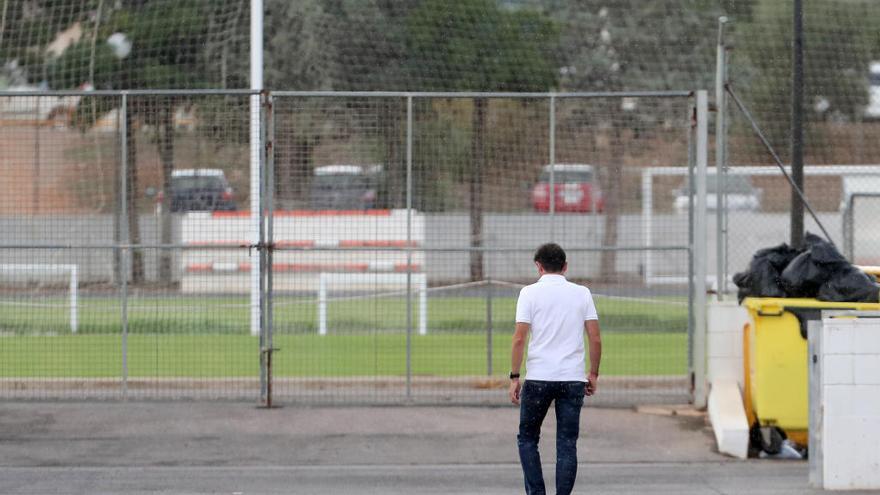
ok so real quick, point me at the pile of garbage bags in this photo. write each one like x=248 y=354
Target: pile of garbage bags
x=818 y=271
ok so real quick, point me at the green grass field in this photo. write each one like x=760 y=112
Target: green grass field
x=209 y=337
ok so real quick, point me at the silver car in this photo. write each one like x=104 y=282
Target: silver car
x=741 y=195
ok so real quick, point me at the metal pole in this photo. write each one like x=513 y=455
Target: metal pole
x=690 y=185
x=552 y=168
x=36 y=184
x=647 y=206
x=268 y=195
x=488 y=319
x=848 y=244
x=721 y=163
x=409 y=184
x=700 y=251
x=797 y=126
x=256 y=52
x=265 y=269
x=123 y=269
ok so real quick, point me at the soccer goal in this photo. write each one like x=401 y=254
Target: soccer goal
x=360 y=281
x=26 y=273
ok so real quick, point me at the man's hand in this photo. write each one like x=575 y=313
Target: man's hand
x=591 y=385
x=514 y=391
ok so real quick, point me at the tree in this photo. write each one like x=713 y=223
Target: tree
x=164 y=54
x=331 y=45
x=632 y=45
x=475 y=45
x=840 y=42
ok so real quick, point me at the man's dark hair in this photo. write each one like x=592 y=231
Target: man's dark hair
x=551 y=256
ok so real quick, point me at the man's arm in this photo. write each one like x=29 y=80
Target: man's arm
x=516 y=357
x=595 y=341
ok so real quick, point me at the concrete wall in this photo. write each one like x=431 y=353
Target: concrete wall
x=749 y=231
x=95 y=265
x=845 y=406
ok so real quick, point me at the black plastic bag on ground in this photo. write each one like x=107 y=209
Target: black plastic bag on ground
x=762 y=277
x=811 y=269
x=850 y=285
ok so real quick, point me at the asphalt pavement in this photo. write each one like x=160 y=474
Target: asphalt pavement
x=234 y=448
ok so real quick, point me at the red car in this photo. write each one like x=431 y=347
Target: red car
x=576 y=189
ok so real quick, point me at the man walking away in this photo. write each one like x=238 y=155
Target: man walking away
x=557 y=313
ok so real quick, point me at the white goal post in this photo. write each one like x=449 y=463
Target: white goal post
x=353 y=280
x=70 y=270
x=652 y=277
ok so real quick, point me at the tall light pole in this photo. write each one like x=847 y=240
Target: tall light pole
x=797 y=126
x=256 y=42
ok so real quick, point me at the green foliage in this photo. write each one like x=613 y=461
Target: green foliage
x=164 y=55
x=638 y=45
x=441 y=162
x=473 y=45
x=840 y=41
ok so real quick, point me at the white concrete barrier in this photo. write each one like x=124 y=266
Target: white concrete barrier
x=725 y=322
x=844 y=359
x=221 y=270
x=728 y=419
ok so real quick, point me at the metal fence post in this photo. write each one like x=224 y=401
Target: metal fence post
x=691 y=151
x=489 y=313
x=267 y=185
x=409 y=185
x=123 y=269
x=552 y=138
x=721 y=163
x=700 y=252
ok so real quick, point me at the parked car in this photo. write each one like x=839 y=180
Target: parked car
x=346 y=187
x=577 y=189
x=202 y=189
x=741 y=195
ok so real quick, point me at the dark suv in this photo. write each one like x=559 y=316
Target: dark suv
x=346 y=187
x=203 y=189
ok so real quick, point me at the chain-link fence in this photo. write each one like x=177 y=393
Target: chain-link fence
x=382 y=257
x=752 y=201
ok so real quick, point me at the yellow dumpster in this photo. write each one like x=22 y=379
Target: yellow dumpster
x=775 y=360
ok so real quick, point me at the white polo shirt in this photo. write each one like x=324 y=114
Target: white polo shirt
x=556 y=309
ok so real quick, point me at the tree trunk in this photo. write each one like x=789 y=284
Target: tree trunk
x=395 y=189
x=612 y=188
x=166 y=155
x=478 y=157
x=134 y=230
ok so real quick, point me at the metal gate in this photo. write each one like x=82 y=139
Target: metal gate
x=370 y=250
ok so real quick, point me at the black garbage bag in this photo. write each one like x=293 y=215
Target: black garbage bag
x=811 y=269
x=762 y=277
x=850 y=285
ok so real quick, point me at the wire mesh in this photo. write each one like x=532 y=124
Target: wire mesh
x=486 y=45
x=839 y=121
x=95 y=307
x=476 y=164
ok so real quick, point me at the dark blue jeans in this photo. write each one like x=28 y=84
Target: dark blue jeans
x=535 y=400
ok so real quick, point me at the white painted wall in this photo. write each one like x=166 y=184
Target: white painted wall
x=226 y=270
x=846 y=407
